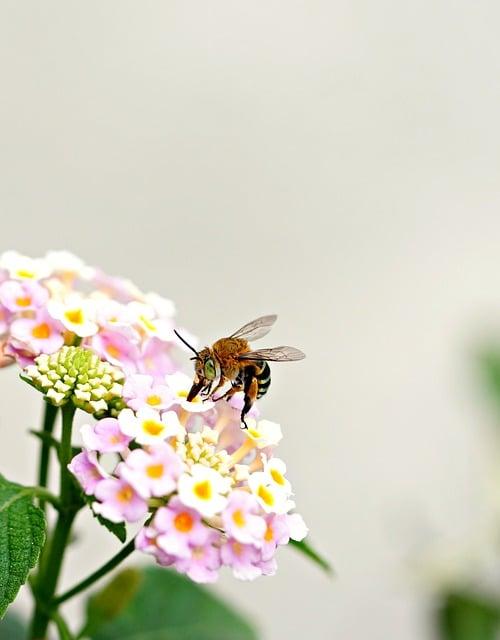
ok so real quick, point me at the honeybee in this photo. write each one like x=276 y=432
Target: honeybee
x=231 y=360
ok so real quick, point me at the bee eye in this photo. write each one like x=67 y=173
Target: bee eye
x=209 y=369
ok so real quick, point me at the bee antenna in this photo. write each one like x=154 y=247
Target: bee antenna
x=187 y=344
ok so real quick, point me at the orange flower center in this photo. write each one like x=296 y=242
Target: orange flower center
x=113 y=351
x=125 y=494
x=154 y=471
x=238 y=518
x=23 y=301
x=183 y=522
x=41 y=331
x=268 y=536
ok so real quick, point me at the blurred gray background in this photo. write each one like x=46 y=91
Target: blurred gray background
x=335 y=162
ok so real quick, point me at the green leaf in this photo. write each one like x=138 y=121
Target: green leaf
x=12 y=628
x=22 y=534
x=160 y=604
x=466 y=616
x=305 y=548
x=116 y=528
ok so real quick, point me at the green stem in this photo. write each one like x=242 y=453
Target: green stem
x=98 y=574
x=44 y=494
x=49 y=418
x=51 y=562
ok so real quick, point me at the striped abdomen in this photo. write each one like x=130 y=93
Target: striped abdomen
x=263 y=379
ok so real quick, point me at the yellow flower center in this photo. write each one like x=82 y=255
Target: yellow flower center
x=23 y=301
x=183 y=522
x=125 y=494
x=152 y=427
x=238 y=518
x=277 y=477
x=154 y=471
x=75 y=316
x=153 y=400
x=203 y=490
x=41 y=331
x=268 y=536
x=24 y=273
x=113 y=351
x=265 y=495
x=254 y=433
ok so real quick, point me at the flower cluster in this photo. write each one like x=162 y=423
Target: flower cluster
x=205 y=492
x=58 y=300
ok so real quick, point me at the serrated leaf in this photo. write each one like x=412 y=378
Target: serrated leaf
x=304 y=547
x=467 y=616
x=118 y=529
x=165 y=606
x=22 y=534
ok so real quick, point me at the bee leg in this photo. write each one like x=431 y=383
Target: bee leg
x=251 y=388
x=220 y=384
x=231 y=391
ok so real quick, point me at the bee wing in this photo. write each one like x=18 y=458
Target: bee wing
x=277 y=354
x=255 y=329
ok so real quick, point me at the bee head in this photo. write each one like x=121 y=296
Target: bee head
x=205 y=365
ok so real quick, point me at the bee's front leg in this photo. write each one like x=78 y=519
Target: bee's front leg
x=220 y=384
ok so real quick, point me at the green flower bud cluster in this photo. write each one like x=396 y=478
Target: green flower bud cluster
x=78 y=375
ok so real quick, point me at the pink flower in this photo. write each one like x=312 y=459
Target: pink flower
x=280 y=528
x=155 y=359
x=140 y=391
x=105 y=436
x=5 y=317
x=86 y=468
x=117 y=349
x=242 y=558
x=203 y=561
x=41 y=334
x=24 y=295
x=240 y=519
x=178 y=529
x=118 y=501
x=153 y=472
x=19 y=351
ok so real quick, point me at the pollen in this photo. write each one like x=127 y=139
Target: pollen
x=153 y=400
x=75 y=316
x=265 y=495
x=183 y=522
x=154 y=471
x=277 y=477
x=203 y=490
x=152 y=427
x=238 y=518
x=23 y=301
x=125 y=494
x=41 y=331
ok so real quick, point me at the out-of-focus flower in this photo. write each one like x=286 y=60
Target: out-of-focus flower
x=24 y=295
x=241 y=519
x=39 y=334
x=105 y=436
x=140 y=391
x=22 y=267
x=271 y=498
x=242 y=558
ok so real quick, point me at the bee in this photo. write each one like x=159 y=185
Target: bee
x=232 y=360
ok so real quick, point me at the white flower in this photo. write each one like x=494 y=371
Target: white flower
x=180 y=384
x=67 y=264
x=202 y=490
x=270 y=497
x=276 y=469
x=24 y=268
x=76 y=314
x=264 y=433
x=297 y=527
x=164 y=307
x=148 y=426
x=147 y=321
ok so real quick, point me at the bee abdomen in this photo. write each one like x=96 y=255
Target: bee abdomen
x=263 y=379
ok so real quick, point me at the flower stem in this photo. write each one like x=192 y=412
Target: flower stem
x=49 y=418
x=99 y=573
x=51 y=561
